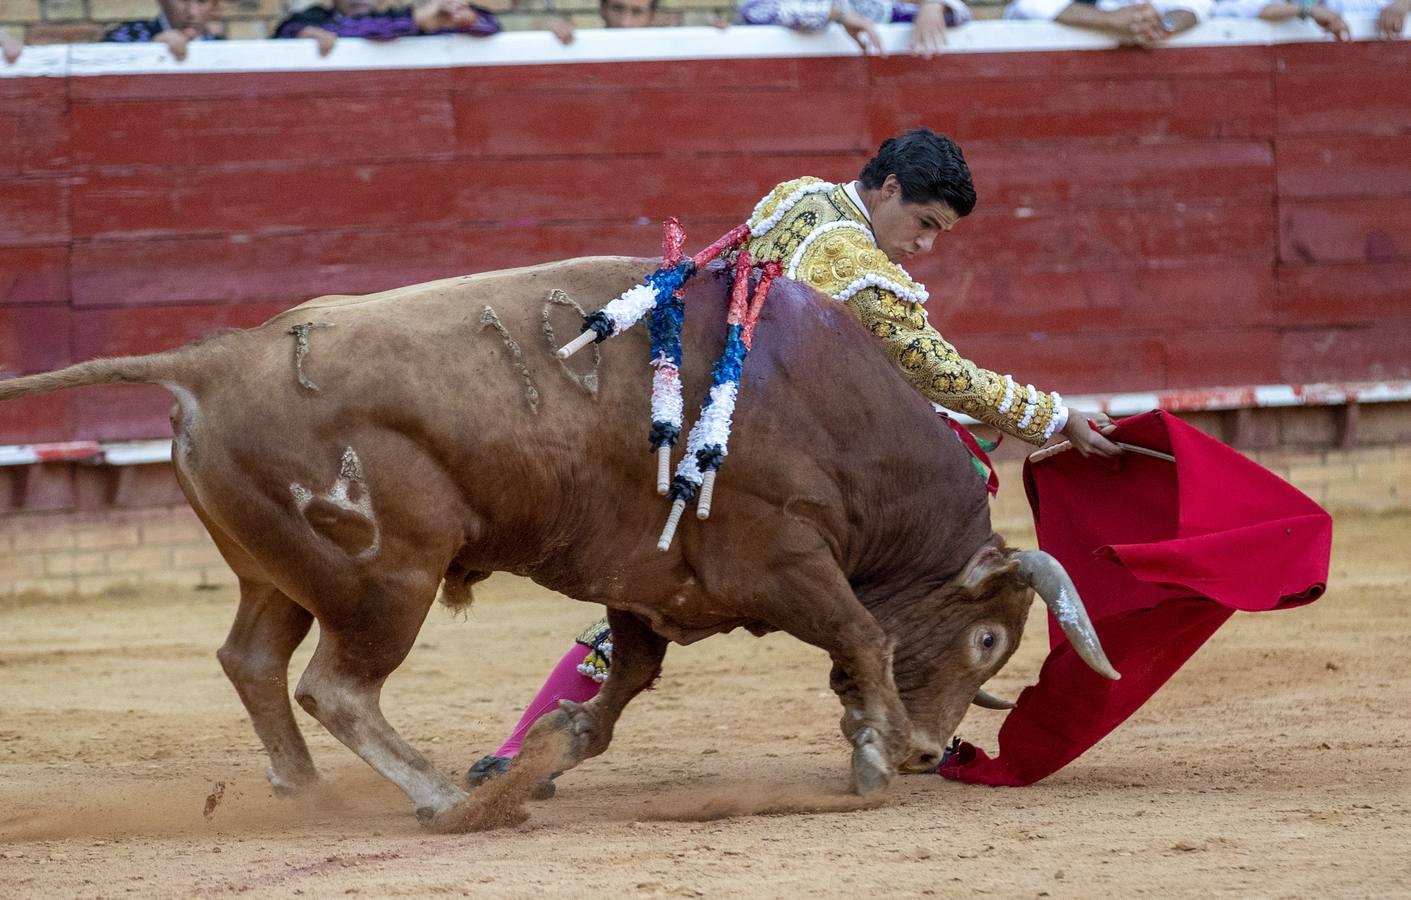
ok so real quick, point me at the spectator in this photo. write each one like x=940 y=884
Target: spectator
x=860 y=18
x=627 y=13
x=615 y=14
x=362 y=18
x=178 y=23
x=10 y=48
x=1328 y=14
x=1134 y=22
x=1391 y=23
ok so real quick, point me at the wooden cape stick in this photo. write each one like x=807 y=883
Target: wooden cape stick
x=1064 y=447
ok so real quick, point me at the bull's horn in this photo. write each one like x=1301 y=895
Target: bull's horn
x=1047 y=576
x=985 y=700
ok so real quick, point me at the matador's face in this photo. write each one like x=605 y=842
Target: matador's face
x=903 y=229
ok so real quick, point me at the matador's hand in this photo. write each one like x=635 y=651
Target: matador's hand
x=1085 y=430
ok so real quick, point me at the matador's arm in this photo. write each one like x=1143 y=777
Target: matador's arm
x=945 y=377
x=842 y=260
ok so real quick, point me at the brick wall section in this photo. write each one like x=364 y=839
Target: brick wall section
x=81 y=21
x=113 y=552
x=124 y=551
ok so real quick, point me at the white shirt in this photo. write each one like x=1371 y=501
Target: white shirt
x=1049 y=9
x=851 y=189
x=1249 y=9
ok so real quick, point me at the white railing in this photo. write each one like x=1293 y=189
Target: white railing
x=615 y=45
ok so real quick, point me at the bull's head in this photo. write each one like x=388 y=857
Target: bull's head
x=954 y=639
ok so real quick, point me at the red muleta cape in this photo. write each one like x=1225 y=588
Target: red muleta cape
x=1162 y=554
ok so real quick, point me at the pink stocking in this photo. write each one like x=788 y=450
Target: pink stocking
x=564 y=683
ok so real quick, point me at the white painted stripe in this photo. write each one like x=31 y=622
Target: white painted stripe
x=1128 y=403
x=64 y=451
x=596 y=45
x=137 y=453
x=21 y=455
x=1276 y=395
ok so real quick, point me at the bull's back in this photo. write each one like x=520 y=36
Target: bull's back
x=461 y=375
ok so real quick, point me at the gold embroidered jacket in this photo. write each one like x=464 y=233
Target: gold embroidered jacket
x=820 y=237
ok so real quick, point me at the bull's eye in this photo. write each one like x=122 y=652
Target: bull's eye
x=988 y=640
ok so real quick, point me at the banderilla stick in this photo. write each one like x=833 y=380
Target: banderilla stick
x=669 y=532
x=663 y=469
x=707 y=494
x=576 y=344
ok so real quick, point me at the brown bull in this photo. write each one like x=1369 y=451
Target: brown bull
x=353 y=454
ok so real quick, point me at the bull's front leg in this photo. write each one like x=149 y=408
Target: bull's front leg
x=819 y=607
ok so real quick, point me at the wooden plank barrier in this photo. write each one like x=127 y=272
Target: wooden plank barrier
x=1183 y=218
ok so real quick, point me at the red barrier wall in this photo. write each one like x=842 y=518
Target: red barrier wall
x=1179 y=218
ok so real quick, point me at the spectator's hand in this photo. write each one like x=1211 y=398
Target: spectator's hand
x=861 y=30
x=444 y=15
x=1087 y=440
x=1392 y=21
x=1138 y=25
x=326 y=39
x=561 y=28
x=176 y=41
x=1180 y=20
x=928 y=32
x=1331 y=22
x=10 y=49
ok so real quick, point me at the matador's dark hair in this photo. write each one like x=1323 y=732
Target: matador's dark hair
x=929 y=167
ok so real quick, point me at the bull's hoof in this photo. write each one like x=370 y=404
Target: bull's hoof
x=494 y=766
x=288 y=788
x=870 y=769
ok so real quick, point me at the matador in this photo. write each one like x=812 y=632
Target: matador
x=849 y=241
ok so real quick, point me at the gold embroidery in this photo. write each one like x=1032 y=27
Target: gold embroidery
x=777 y=196
x=836 y=260
x=940 y=372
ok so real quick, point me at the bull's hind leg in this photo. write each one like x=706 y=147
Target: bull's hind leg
x=342 y=688
x=637 y=653
x=268 y=627
x=564 y=738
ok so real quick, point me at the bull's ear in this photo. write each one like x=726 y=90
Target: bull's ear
x=988 y=563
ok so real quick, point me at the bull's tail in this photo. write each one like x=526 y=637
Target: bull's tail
x=168 y=368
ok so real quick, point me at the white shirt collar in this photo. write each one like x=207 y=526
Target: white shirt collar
x=851 y=189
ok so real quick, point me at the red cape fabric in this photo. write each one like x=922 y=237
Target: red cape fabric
x=1162 y=554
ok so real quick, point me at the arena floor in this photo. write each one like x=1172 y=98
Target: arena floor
x=1277 y=764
